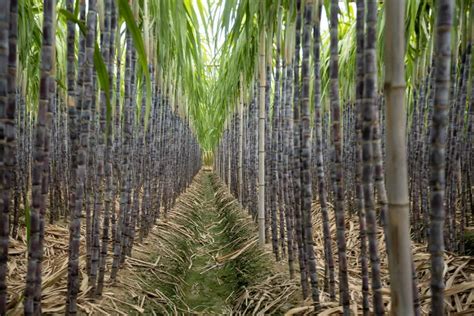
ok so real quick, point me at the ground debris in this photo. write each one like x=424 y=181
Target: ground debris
x=208 y=246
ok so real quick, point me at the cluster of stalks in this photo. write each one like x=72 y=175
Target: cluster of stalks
x=92 y=149
x=354 y=156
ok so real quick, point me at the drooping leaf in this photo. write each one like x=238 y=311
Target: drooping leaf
x=72 y=17
x=126 y=13
x=103 y=76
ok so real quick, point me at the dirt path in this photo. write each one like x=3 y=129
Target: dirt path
x=207 y=289
x=202 y=259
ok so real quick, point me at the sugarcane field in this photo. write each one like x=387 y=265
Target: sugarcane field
x=237 y=157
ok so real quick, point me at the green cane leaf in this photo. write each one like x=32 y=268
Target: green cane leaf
x=127 y=15
x=103 y=76
x=73 y=18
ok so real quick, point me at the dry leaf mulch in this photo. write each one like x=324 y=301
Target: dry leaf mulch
x=276 y=292
x=459 y=272
x=54 y=271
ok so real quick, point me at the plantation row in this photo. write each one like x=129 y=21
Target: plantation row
x=406 y=166
x=96 y=138
x=309 y=110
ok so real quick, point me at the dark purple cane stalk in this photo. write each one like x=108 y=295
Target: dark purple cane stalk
x=32 y=303
x=442 y=55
